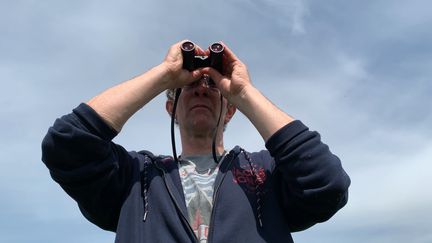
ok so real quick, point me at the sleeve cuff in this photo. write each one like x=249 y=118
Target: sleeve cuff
x=284 y=135
x=94 y=122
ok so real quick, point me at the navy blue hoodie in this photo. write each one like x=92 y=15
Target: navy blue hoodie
x=259 y=197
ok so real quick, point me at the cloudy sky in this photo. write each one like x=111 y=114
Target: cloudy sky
x=359 y=72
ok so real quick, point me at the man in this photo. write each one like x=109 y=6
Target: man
x=242 y=197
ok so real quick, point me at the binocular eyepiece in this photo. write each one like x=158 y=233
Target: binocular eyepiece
x=192 y=62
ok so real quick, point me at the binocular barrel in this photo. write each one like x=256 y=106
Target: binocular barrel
x=216 y=52
x=188 y=52
x=192 y=62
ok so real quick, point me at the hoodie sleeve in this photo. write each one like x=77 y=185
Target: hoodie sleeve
x=94 y=171
x=314 y=184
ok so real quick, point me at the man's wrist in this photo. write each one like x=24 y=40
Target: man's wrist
x=263 y=114
x=245 y=98
x=165 y=76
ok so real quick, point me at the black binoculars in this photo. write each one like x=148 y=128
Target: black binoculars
x=192 y=62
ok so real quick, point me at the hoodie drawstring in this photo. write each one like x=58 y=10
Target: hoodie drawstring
x=144 y=185
x=257 y=182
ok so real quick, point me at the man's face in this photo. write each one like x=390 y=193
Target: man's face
x=199 y=106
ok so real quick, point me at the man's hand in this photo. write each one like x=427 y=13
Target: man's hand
x=178 y=77
x=235 y=79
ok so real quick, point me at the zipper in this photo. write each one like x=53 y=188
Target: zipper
x=215 y=196
x=183 y=217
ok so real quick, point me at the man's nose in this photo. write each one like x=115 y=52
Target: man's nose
x=201 y=88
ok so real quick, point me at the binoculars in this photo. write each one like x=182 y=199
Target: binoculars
x=192 y=62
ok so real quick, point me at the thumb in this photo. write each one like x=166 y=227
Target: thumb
x=188 y=77
x=214 y=74
x=196 y=74
x=221 y=81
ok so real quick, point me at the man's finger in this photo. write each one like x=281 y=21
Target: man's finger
x=214 y=74
x=228 y=53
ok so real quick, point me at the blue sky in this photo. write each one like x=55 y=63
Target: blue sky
x=358 y=72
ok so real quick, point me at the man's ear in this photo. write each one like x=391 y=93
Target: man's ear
x=169 y=104
x=231 y=109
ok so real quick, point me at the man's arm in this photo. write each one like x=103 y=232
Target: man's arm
x=78 y=148
x=81 y=157
x=313 y=184
x=117 y=104
x=236 y=86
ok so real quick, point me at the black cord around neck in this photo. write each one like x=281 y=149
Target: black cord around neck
x=173 y=114
x=216 y=131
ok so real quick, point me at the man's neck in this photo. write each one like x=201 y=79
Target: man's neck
x=200 y=144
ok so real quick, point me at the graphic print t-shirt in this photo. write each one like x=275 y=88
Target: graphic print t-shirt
x=198 y=174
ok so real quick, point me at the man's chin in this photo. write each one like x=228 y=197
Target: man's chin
x=203 y=124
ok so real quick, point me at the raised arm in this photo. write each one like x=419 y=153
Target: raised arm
x=117 y=104
x=78 y=148
x=313 y=185
x=236 y=86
